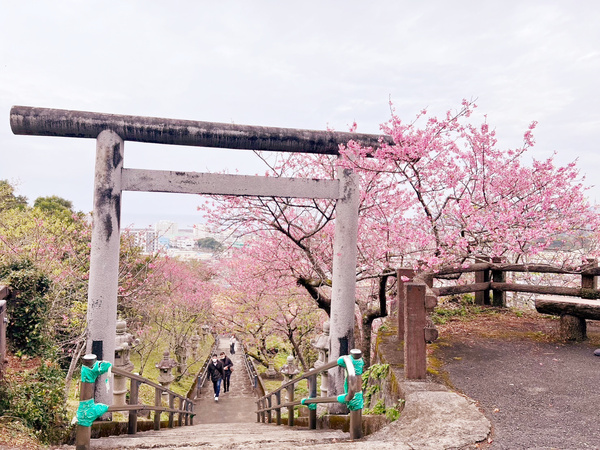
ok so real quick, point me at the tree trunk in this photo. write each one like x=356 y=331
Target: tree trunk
x=298 y=352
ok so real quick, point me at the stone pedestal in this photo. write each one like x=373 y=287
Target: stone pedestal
x=271 y=372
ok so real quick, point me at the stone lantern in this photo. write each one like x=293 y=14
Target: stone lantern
x=195 y=340
x=165 y=377
x=289 y=371
x=205 y=332
x=321 y=343
x=123 y=343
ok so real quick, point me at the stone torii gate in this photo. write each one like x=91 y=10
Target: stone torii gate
x=111 y=178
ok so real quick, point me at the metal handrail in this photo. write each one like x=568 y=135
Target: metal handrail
x=265 y=403
x=255 y=380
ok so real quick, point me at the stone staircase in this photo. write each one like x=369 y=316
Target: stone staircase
x=236 y=406
x=431 y=420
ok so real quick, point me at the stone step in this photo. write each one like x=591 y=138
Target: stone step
x=226 y=435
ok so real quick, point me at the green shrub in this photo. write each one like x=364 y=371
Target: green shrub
x=27 y=308
x=37 y=397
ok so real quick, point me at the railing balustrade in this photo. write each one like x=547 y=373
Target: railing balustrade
x=184 y=408
x=266 y=405
x=417 y=297
x=184 y=405
x=255 y=380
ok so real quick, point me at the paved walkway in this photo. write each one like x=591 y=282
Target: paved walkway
x=236 y=406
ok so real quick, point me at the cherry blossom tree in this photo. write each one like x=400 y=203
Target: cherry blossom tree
x=173 y=303
x=458 y=195
x=259 y=302
x=436 y=191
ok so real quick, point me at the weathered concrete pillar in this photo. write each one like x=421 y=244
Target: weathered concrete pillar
x=104 y=258
x=343 y=280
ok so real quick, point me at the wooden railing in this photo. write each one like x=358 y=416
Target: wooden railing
x=417 y=297
x=266 y=405
x=184 y=409
x=491 y=277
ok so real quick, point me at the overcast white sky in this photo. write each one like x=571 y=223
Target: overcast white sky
x=308 y=64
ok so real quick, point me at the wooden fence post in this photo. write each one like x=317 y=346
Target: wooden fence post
x=590 y=281
x=482 y=298
x=134 y=389
x=157 y=403
x=312 y=393
x=401 y=295
x=498 y=276
x=86 y=392
x=290 y=392
x=278 y=410
x=171 y=406
x=415 y=358
x=269 y=404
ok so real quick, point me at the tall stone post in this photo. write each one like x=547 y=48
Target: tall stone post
x=343 y=281
x=104 y=258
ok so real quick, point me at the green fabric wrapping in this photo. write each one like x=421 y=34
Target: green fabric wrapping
x=312 y=406
x=89 y=411
x=89 y=375
x=356 y=402
x=359 y=365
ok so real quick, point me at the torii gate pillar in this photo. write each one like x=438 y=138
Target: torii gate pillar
x=343 y=281
x=104 y=258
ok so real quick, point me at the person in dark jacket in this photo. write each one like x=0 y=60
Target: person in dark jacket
x=227 y=365
x=215 y=372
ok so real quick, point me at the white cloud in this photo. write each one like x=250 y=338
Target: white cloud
x=305 y=65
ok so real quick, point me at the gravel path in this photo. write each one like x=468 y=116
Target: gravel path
x=537 y=395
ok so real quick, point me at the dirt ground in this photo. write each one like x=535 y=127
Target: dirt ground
x=539 y=392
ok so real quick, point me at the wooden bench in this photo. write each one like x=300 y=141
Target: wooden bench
x=573 y=312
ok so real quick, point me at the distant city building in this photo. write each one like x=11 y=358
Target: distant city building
x=146 y=240
x=182 y=243
x=166 y=228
